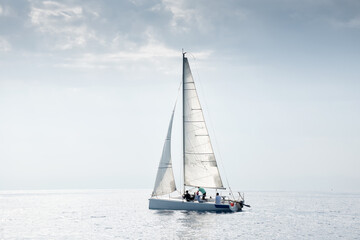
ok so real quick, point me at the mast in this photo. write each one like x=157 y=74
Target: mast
x=183 y=127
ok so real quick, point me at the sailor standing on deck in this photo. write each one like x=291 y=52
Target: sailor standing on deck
x=198 y=197
x=217 y=199
x=203 y=192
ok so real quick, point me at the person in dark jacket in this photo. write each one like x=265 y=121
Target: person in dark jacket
x=187 y=196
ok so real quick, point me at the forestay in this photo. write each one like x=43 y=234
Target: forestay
x=165 y=182
x=200 y=167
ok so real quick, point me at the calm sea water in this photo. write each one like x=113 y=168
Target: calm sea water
x=124 y=214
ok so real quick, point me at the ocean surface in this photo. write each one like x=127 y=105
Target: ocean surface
x=124 y=214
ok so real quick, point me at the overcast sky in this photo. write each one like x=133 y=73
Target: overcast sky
x=87 y=89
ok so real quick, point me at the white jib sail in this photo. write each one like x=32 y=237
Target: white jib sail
x=200 y=163
x=165 y=181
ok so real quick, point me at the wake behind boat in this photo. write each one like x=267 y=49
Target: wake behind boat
x=200 y=169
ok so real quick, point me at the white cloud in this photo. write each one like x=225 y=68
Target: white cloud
x=354 y=23
x=117 y=59
x=4 y=45
x=183 y=18
x=351 y=23
x=70 y=26
x=50 y=11
x=194 y=16
x=65 y=23
x=5 y=11
x=150 y=53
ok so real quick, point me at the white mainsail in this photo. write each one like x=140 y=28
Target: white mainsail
x=200 y=167
x=165 y=181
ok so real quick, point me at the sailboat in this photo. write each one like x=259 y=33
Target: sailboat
x=200 y=169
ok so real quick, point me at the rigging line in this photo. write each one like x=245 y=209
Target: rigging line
x=177 y=97
x=210 y=121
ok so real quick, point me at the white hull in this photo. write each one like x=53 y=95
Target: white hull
x=173 y=204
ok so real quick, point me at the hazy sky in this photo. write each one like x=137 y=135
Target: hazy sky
x=87 y=89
